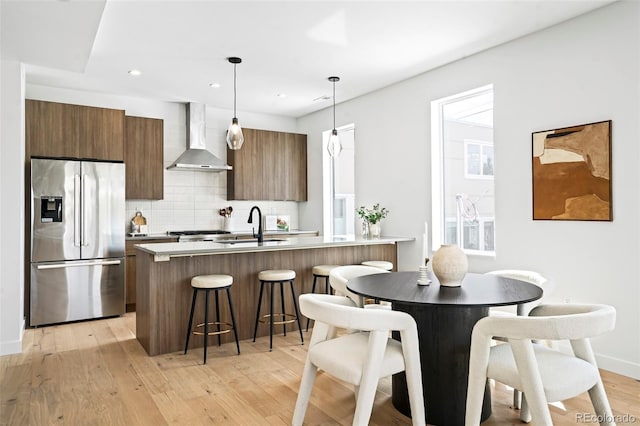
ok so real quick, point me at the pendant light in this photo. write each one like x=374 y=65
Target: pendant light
x=334 y=147
x=235 y=138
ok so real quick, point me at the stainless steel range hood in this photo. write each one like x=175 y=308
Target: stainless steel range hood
x=196 y=157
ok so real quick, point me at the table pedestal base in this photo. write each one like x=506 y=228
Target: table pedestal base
x=444 y=333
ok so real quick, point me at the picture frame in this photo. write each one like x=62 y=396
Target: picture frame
x=571 y=173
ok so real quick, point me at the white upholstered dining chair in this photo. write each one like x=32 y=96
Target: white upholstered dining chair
x=362 y=357
x=531 y=277
x=338 y=278
x=526 y=276
x=542 y=374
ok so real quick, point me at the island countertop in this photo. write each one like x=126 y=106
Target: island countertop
x=163 y=252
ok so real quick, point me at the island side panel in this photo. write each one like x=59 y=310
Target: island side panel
x=164 y=290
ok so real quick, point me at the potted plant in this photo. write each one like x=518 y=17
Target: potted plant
x=371 y=219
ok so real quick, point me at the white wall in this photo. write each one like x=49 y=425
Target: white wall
x=11 y=207
x=191 y=199
x=582 y=71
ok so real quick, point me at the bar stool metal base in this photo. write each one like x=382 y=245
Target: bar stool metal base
x=327 y=288
x=321 y=271
x=269 y=318
x=217 y=323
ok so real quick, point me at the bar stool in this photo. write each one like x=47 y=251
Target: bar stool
x=321 y=271
x=380 y=264
x=208 y=283
x=272 y=277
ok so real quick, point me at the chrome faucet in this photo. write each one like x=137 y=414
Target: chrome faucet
x=260 y=235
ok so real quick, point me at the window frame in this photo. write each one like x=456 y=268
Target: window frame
x=438 y=231
x=328 y=186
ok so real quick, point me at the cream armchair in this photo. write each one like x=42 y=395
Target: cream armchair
x=542 y=374
x=526 y=276
x=338 y=278
x=360 y=358
x=531 y=277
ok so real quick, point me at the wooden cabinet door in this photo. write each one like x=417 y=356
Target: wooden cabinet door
x=270 y=166
x=51 y=129
x=245 y=181
x=296 y=180
x=144 y=157
x=101 y=133
x=274 y=172
x=72 y=131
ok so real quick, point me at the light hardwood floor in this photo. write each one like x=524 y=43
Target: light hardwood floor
x=96 y=373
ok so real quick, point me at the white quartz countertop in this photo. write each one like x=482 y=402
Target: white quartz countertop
x=165 y=251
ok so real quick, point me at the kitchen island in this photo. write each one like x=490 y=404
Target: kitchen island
x=164 y=272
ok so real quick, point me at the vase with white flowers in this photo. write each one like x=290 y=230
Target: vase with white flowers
x=371 y=218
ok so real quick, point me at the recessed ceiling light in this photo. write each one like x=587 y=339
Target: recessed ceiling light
x=214 y=85
x=281 y=95
x=134 y=72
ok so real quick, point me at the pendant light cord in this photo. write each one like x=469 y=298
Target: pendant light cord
x=234 y=90
x=334 y=105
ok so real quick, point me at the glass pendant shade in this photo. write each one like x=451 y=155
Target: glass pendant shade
x=334 y=146
x=235 y=138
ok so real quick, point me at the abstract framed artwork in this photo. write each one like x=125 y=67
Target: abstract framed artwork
x=572 y=173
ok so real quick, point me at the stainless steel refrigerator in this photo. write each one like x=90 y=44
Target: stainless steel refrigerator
x=77 y=240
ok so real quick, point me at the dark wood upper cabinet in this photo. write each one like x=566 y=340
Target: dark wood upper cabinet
x=101 y=133
x=245 y=181
x=296 y=152
x=73 y=131
x=143 y=155
x=51 y=129
x=270 y=166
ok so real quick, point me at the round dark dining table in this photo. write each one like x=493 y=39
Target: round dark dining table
x=445 y=317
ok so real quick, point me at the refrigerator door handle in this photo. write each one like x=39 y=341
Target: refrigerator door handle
x=70 y=265
x=84 y=211
x=76 y=210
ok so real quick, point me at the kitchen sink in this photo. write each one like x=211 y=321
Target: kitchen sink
x=248 y=240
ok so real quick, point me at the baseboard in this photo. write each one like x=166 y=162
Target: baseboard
x=609 y=363
x=15 y=346
x=619 y=366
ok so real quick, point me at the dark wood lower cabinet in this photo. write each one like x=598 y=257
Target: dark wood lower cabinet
x=164 y=288
x=130 y=283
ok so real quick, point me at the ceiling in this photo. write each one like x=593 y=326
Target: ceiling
x=287 y=47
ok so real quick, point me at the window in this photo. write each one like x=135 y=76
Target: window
x=476 y=236
x=339 y=185
x=478 y=159
x=463 y=171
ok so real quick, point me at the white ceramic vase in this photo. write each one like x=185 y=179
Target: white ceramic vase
x=450 y=265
